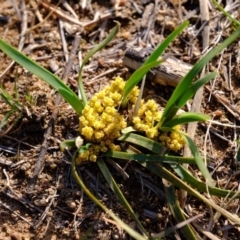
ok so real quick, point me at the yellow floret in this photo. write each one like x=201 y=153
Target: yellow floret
x=108 y=130
x=151 y=106
x=104 y=149
x=98 y=135
x=107 y=102
x=149 y=113
x=177 y=127
x=174 y=135
x=106 y=118
x=149 y=120
x=174 y=141
x=152 y=132
x=91 y=119
x=134 y=95
x=122 y=123
x=116 y=148
x=141 y=111
x=115 y=134
x=98 y=125
x=87 y=108
x=87 y=132
x=136 y=120
x=118 y=84
x=98 y=107
x=158 y=116
x=84 y=121
x=116 y=97
x=98 y=96
x=110 y=110
x=83 y=157
x=93 y=158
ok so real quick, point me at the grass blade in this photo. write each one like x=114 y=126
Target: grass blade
x=42 y=73
x=118 y=193
x=193 y=89
x=141 y=158
x=6 y=117
x=199 y=161
x=136 y=78
x=14 y=104
x=176 y=210
x=101 y=45
x=171 y=108
x=233 y=20
x=79 y=181
x=143 y=142
x=200 y=186
x=173 y=229
x=186 y=118
x=163 y=172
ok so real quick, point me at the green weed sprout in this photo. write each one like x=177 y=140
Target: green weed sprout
x=103 y=127
x=14 y=105
x=17 y=109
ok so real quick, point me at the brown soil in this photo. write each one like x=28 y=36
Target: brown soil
x=54 y=207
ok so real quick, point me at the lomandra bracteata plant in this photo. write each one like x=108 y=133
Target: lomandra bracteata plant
x=103 y=120
x=107 y=123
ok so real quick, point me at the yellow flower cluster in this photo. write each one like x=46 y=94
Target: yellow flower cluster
x=173 y=140
x=100 y=122
x=148 y=116
x=146 y=121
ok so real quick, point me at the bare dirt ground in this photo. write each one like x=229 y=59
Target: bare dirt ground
x=53 y=207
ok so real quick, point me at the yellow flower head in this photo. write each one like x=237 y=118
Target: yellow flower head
x=173 y=140
x=146 y=121
x=147 y=117
x=100 y=122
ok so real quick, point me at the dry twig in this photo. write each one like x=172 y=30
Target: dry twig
x=44 y=147
x=22 y=35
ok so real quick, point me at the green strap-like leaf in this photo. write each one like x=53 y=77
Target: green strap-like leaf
x=136 y=78
x=79 y=181
x=109 y=178
x=176 y=210
x=163 y=45
x=200 y=186
x=199 y=161
x=179 y=91
x=44 y=74
x=141 y=158
x=193 y=89
x=72 y=99
x=186 y=118
x=97 y=48
x=139 y=73
x=163 y=172
x=143 y=142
